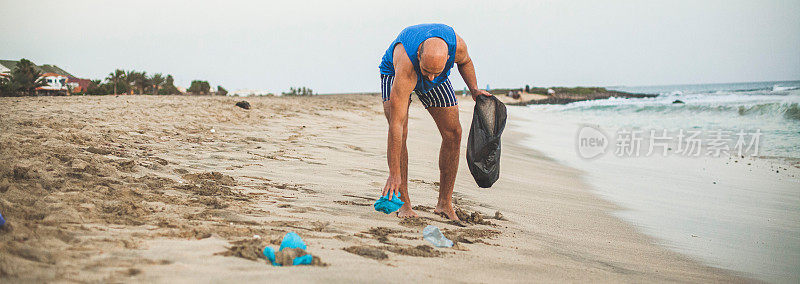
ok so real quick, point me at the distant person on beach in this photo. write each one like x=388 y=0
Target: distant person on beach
x=419 y=60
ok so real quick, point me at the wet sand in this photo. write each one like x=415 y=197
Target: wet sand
x=166 y=189
x=737 y=213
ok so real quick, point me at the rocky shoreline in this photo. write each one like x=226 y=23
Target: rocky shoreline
x=570 y=95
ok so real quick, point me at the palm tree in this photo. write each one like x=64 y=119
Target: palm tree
x=25 y=78
x=130 y=77
x=157 y=80
x=141 y=81
x=169 y=86
x=115 y=77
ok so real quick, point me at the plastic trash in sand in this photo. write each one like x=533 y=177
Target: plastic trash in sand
x=291 y=252
x=2 y=221
x=387 y=205
x=432 y=234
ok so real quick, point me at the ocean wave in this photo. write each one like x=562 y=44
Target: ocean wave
x=792 y=112
x=777 y=88
x=787 y=110
x=772 y=86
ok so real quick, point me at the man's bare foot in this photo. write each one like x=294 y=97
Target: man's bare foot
x=446 y=210
x=406 y=212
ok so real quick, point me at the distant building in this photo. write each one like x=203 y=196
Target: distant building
x=4 y=71
x=251 y=92
x=56 y=84
x=58 y=81
x=78 y=85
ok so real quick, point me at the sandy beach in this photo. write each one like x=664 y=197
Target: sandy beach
x=188 y=189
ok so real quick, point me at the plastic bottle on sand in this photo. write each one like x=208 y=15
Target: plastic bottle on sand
x=434 y=236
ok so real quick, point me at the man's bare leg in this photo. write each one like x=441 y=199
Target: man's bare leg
x=450 y=128
x=405 y=210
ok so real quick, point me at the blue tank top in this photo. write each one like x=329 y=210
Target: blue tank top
x=411 y=37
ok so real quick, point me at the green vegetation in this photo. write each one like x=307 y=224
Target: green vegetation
x=135 y=82
x=302 y=91
x=26 y=77
x=579 y=90
x=23 y=80
x=117 y=79
x=156 y=81
x=168 y=88
x=199 y=88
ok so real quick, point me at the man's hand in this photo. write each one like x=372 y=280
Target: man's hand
x=475 y=93
x=392 y=186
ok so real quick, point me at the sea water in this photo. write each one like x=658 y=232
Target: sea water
x=728 y=211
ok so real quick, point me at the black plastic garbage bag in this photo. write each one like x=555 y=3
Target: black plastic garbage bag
x=483 y=144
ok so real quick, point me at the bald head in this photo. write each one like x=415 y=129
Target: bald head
x=432 y=57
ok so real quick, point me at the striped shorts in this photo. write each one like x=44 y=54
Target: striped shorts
x=442 y=95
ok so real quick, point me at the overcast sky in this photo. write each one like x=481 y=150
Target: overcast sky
x=336 y=47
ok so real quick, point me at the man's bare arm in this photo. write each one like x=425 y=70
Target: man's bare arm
x=404 y=81
x=467 y=69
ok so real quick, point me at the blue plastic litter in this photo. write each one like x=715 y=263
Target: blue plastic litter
x=2 y=221
x=270 y=254
x=303 y=260
x=387 y=205
x=290 y=240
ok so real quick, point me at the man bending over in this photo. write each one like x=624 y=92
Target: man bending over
x=419 y=61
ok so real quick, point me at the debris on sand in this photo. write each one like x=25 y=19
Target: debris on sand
x=243 y=104
x=292 y=256
x=252 y=249
x=433 y=235
x=367 y=251
x=292 y=251
x=287 y=256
